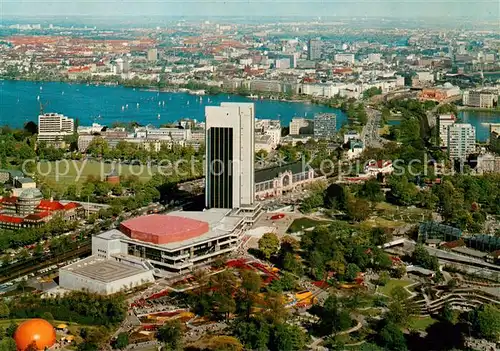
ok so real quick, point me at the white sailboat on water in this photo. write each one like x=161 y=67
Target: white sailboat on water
x=137 y=105
x=158 y=116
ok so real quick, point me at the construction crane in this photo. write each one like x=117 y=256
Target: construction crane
x=42 y=106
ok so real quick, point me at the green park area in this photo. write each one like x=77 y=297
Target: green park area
x=421 y=323
x=71 y=171
x=304 y=223
x=387 y=288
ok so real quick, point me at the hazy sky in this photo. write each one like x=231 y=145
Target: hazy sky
x=389 y=8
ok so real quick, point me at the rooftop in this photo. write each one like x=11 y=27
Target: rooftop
x=266 y=174
x=102 y=270
x=220 y=223
x=163 y=229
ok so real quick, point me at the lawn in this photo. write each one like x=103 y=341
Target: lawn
x=305 y=223
x=400 y=214
x=386 y=289
x=421 y=323
x=71 y=171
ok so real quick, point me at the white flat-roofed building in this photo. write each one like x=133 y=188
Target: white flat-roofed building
x=461 y=141
x=445 y=121
x=54 y=127
x=102 y=276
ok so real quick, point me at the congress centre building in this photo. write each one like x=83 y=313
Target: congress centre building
x=163 y=244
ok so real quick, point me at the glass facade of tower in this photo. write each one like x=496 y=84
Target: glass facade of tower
x=219 y=167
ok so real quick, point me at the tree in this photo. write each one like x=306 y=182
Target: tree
x=449 y=314
x=8 y=344
x=224 y=343
x=251 y=284
x=250 y=281
x=351 y=272
x=121 y=341
x=4 y=310
x=336 y=197
x=170 y=334
x=402 y=191
x=269 y=244
x=31 y=127
x=332 y=317
x=423 y=258
x=48 y=316
x=358 y=209
x=485 y=321
x=276 y=311
x=286 y=337
x=383 y=278
x=399 y=272
x=392 y=338
x=254 y=333
x=371 y=190
x=11 y=329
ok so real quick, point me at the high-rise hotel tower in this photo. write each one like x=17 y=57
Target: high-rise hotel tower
x=229 y=180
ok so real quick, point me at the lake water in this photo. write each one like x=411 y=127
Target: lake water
x=105 y=105
x=481 y=120
x=108 y=104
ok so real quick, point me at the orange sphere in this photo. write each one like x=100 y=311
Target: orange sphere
x=37 y=332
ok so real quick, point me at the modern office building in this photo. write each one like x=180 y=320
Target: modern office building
x=230 y=133
x=301 y=126
x=445 y=121
x=314 y=49
x=325 y=125
x=461 y=141
x=54 y=127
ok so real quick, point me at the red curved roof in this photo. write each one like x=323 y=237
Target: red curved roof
x=162 y=229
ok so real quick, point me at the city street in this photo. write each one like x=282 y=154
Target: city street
x=370 y=135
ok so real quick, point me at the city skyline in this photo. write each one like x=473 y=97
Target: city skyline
x=337 y=8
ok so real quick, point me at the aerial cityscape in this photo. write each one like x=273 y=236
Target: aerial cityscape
x=252 y=175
